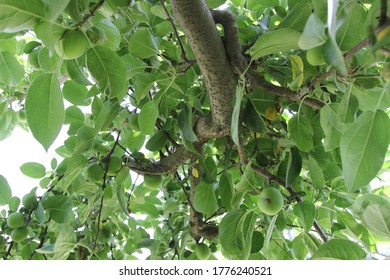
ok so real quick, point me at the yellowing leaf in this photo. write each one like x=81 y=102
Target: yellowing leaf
x=297 y=71
x=271 y=113
x=195 y=172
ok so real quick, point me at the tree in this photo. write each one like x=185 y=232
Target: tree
x=210 y=106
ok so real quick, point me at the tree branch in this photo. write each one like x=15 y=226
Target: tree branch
x=257 y=81
x=197 y=22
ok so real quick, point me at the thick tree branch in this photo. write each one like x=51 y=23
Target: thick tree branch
x=197 y=22
x=231 y=40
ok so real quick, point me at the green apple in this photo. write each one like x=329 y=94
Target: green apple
x=73 y=44
x=202 y=251
x=16 y=220
x=153 y=181
x=270 y=201
x=30 y=201
x=19 y=234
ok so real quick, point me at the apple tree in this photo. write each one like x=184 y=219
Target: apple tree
x=180 y=113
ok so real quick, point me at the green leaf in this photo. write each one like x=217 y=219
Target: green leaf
x=59 y=207
x=33 y=170
x=85 y=139
x=331 y=126
x=214 y=3
x=49 y=33
x=65 y=242
x=148 y=116
x=108 y=112
x=108 y=70
x=5 y=191
x=205 y=200
x=236 y=115
x=134 y=140
x=121 y=198
x=334 y=56
x=226 y=190
x=316 y=173
x=305 y=212
x=236 y=231
x=45 y=109
x=142 y=44
x=75 y=93
x=186 y=124
x=20 y=15
x=377 y=219
x=75 y=166
x=301 y=132
x=111 y=32
x=350 y=32
x=11 y=71
x=76 y=72
x=363 y=148
x=142 y=84
x=157 y=141
x=39 y=214
x=340 y=250
x=313 y=35
x=302 y=245
x=290 y=168
x=372 y=99
x=276 y=41
x=297 y=17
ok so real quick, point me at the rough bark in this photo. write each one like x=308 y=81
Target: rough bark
x=198 y=25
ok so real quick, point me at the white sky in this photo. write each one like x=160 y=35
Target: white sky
x=20 y=148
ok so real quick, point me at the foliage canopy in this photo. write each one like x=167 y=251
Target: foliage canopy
x=210 y=123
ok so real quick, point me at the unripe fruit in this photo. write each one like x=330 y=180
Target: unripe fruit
x=16 y=220
x=270 y=201
x=73 y=44
x=315 y=56
x=114 y=166
x=19 y=234
x=30 y=201
x=95 y=172
x=202 y=251
x=153 y=181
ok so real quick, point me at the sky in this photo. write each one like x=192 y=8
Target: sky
x=20 y=148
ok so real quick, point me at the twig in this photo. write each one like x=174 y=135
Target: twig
x=183 y=51
x=383 y=13
x=91 y=13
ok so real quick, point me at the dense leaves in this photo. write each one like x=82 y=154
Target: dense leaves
x=310 y=118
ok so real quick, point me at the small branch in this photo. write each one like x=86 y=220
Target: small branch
x=383 y=13
x=98 y=221
x=91 y=13
x=183 y=51
x=255 y=81
x=41 y=242
x=9 y=250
